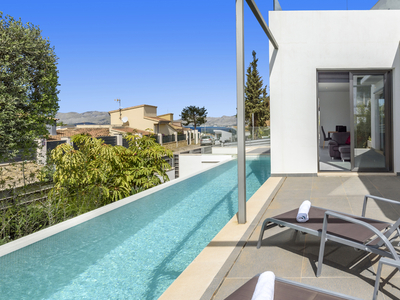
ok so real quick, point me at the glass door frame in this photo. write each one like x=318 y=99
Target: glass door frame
x=388 y=120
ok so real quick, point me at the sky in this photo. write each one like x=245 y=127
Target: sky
x=166 y=53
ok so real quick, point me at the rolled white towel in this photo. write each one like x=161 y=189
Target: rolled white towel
x=302 y=214
x=265 y=287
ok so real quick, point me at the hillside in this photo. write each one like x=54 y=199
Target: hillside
x=221 y=121
x=103 y=118
x=89 y=117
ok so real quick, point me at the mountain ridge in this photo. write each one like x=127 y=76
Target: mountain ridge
x=103 y=118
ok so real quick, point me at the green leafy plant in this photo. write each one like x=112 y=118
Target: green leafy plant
x=194 y=115
x=256 y=99
x=28 y=87
x=110 y=173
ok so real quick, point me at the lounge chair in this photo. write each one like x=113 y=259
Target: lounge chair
x=359 y=232
x=289 y=290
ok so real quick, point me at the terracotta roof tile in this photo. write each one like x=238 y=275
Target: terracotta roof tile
x=129 y=130
x=94 y=132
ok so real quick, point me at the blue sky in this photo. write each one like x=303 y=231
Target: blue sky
x=167 y=53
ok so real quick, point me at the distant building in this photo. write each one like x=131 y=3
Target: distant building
x=223 y=136
x=52 y=128
x=144 y=118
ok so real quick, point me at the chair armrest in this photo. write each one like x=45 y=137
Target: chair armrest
x=382 y=261
x=332 y=142
x=378 y=199
x=389 y=262
x=379 y=234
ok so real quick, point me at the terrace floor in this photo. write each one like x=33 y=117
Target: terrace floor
x=294 y=255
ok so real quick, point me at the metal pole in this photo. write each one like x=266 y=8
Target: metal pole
x=241 y=215
x=262 y=22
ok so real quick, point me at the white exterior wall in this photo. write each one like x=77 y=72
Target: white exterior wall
x=192 y=163
x=323 y=40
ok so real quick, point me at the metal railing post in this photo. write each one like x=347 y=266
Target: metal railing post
x=240 y=112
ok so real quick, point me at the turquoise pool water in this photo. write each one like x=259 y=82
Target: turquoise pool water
x=133 y=252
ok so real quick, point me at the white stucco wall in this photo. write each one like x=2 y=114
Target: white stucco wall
x=323 y=40
x=192 y=163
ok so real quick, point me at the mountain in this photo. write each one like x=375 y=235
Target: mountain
x=103 y=118
x=221 y=121
x=88 y=118
x=217 y=122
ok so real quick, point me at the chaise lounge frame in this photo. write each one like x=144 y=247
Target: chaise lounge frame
x=285 y=289
x=336 y=226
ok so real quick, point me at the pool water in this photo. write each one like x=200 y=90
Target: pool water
x=135 y=251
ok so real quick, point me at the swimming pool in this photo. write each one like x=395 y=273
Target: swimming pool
x=135 y=251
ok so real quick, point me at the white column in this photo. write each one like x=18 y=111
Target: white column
x=119 y=139
x=67 y=140
x=159 y=138
x=41 y=151
x=196 y=136
x=176 y=139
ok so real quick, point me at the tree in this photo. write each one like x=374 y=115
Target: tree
x=101 y=173
x=28 y=86
x=256 y=99
x=194 y=115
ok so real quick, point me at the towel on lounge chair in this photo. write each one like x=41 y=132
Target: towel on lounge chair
x=302 y=215
x=265 y=287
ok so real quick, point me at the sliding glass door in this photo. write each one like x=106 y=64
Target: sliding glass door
x=371 y=119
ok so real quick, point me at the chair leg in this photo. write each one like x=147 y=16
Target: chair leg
x=323 y=144
x=262 y=233
x=321 y=256
x=377 y=280
x=322 y=245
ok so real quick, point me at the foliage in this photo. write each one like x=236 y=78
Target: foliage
x=256 y=99
x=18 y=219
x=194 y=115
x=111 y=173
x=28 y=86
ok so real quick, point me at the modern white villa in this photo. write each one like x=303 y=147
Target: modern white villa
x=335 y=68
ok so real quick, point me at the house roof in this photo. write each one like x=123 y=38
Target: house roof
x=94 y=132
x=157 y=119
x=130 y=130
x=132 y=107
x=387 y=4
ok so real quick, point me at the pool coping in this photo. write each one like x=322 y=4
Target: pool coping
x=57 y=228
x=204 y=275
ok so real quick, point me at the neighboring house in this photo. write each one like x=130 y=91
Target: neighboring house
x=335 y=68
x=68 y=132
x=52 y=128
x=144 y=117
x=223 y=136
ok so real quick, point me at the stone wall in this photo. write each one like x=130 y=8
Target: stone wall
x=172 y=145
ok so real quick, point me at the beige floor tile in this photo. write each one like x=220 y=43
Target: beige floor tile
x=293 y=255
